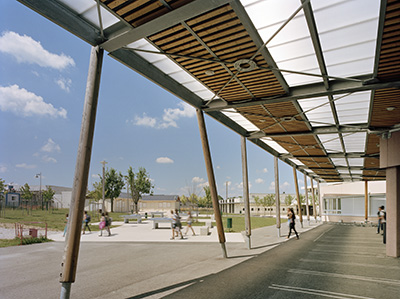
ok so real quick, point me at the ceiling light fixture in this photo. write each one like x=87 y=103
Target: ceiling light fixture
x=209 y=72
x=390 y=108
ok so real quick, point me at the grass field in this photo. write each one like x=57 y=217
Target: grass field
x=56 y=220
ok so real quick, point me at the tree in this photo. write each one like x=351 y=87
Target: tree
x=288 y=200
x=97 y=193
x=139 y=183
x=26 y=192
x=114 y=182
x=206 y=201
x=2 y=185
x=47 y=195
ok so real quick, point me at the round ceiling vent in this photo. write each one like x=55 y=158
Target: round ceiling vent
x=245 y=65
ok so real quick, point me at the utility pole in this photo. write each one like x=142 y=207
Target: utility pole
x=39 y=175
x=104 y=188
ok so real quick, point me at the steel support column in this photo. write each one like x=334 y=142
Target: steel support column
x=319 y=200
x=72 y=242
x=296 y=184
x=313 y=200
x=211 y=180
x=277 y=197
x=306 y=195
x=246 y=199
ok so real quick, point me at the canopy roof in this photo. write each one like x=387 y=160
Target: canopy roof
x=313 y=82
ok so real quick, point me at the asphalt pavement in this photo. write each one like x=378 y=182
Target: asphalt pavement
x=335 y=261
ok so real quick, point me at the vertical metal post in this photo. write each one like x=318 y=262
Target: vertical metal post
x=366 y=201
x=319 y=200
x=211 y=180
x=306 y=194
x=104 y=187
x=313 y=200
x=298 y=195
x=72 y=242
x=277 y=197
x=247 y=219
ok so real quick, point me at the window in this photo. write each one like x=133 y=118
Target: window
x=333 y=206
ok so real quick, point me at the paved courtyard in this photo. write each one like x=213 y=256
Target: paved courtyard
x=335 y=261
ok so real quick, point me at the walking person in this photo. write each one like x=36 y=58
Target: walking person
x=102 y=224
x=189 y=221
x=292 y=222
x=108 y=223
x=176 y=225
x=86 y=220
x=381 y=219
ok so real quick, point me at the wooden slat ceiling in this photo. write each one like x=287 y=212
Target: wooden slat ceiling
x=385 y=99
x=208 y=46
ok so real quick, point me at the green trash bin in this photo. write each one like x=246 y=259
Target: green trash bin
x=229 y=223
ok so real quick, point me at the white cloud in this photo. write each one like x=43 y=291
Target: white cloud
x=282 y=187
x=3 y=169
x=22 y=102
x=272 y=186
x=198 y=180
x=169 y=118
x=51 y=147
x=95 y=176
x=64 y=83
x=48 y=159
x=259 y=181
x=240 y=186
x=202 y=185
x=265 y=170
x=25 y=166
x=145 y=121
x=164 y=160
x=25 y=49
x=171 y=115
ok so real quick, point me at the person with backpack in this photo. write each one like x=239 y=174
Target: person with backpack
x=86 y=220
x=381 y=219
x=108 y=223
x=292 y=222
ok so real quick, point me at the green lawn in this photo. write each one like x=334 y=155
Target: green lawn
x=55 y=219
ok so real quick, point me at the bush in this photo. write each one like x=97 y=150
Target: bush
x=28 y=241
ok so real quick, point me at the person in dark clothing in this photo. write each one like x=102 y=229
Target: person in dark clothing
x=292 y=222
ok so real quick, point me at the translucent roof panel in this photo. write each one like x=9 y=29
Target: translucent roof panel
x=87 y=9
x=268 y=141
x=354 y=142
x=318 y=111
x=353 y=108
x=356 y=161
x=348 y=32
x=339 y=161
x=291 y=48
x=240 y=120
x=295 y=161
x=331 y=143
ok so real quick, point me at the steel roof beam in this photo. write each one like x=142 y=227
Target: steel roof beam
x=333 y=155
x=313 y=91
x=172 y=18
x=253 y=33
x=65 y=18
x=316 y=131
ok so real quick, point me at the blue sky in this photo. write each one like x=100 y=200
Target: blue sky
x=43 y=71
